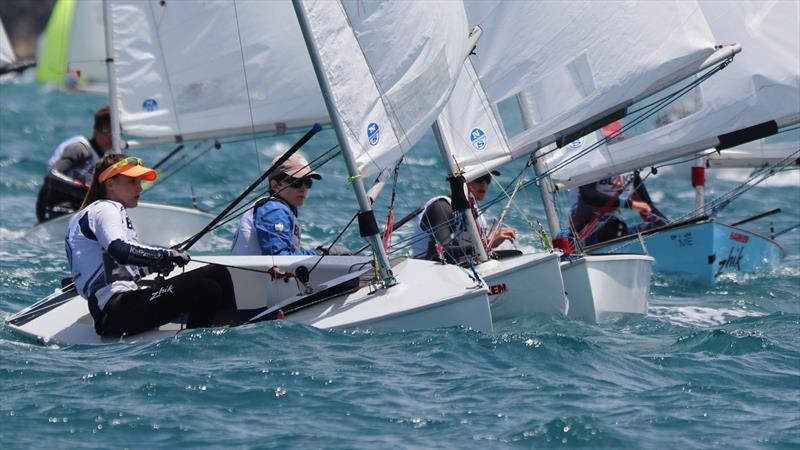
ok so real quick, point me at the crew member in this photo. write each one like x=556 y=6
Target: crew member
x=107 y=261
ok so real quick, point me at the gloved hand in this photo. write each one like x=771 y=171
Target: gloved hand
x=179 y=258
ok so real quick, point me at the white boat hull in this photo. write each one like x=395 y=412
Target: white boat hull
x=523 y=285
x=427 y=295
x=156 y=224
x=601 y=287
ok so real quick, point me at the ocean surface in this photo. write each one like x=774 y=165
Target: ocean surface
x=705 y=368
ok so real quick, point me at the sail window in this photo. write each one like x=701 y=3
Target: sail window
x=686 y=105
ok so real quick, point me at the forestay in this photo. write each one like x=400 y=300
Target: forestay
x=391 y=67
x=758 y=93
x=585 y=62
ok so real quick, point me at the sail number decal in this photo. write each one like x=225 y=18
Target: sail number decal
x=743 y=238
x=478 y=138
x=497 y=289
x=373 y=133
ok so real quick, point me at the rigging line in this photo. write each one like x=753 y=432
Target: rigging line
x=182 y=157
x=247 y=87
x=166 y=69
x=652 y=108
x=692 y=158
x=327 y=252
x=238 y=211
x=169 y=175
x=759 y=175
x=571 y=159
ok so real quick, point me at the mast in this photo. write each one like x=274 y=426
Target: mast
x=466 y=214
x=545 y=184
x=366 y=218
x=116 y=133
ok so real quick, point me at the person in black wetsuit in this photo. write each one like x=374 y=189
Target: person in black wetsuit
x=597 y=212
x=69 y=170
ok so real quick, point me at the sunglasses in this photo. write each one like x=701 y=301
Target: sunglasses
x=484 y=179
x=119 y=167
x=297 y=183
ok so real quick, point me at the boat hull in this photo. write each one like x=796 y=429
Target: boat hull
x=156 y=224
x=602 y=287
x=427 y=295
x=703 y=252
x=523 y=285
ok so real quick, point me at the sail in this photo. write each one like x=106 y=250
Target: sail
x=72 y=52
x=755 y=96
x=6 y=50
x=584 y=62
x=193 y=70
x=759 y=153
x=391 y=67
x=470 y=129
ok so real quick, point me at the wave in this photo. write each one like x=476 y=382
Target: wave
x=701 y=316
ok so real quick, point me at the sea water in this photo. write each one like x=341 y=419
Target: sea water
x=705 y=368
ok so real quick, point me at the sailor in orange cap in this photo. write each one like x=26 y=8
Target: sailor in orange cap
x=107 y=261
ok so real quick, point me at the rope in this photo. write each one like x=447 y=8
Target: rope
x=387 y=231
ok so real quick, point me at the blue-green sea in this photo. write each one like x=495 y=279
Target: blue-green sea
x=705 y=368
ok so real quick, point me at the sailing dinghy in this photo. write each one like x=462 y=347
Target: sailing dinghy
x=563 y=94
x=332 y=291
x=519 y=284
x=756 y=98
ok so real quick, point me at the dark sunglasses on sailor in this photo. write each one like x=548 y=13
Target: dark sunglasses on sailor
x=484 y=179
x=297 y=183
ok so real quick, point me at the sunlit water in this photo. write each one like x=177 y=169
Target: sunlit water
x=706 y=368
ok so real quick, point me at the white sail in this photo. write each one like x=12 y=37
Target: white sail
x=757 y=94
x=763 y=152
x=6 y=50
x=87 y=48
x=470 y=129
x=212 y=68
x=583 y=61
x=391 y=67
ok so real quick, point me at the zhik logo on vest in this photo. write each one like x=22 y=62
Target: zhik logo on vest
x=162 y=290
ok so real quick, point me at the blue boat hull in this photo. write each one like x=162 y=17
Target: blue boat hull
x=702 y=252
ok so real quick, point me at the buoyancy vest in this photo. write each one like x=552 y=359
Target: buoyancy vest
x=82 y=172
x=246 y=242
x=96 y=274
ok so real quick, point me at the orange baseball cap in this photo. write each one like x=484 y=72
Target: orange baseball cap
x=130 y=167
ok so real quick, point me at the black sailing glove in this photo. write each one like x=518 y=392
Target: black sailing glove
x=179 y=258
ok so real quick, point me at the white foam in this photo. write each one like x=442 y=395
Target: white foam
x=10 y=235
x=701 y=316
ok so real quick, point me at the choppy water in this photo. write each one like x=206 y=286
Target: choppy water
x=715 y=368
